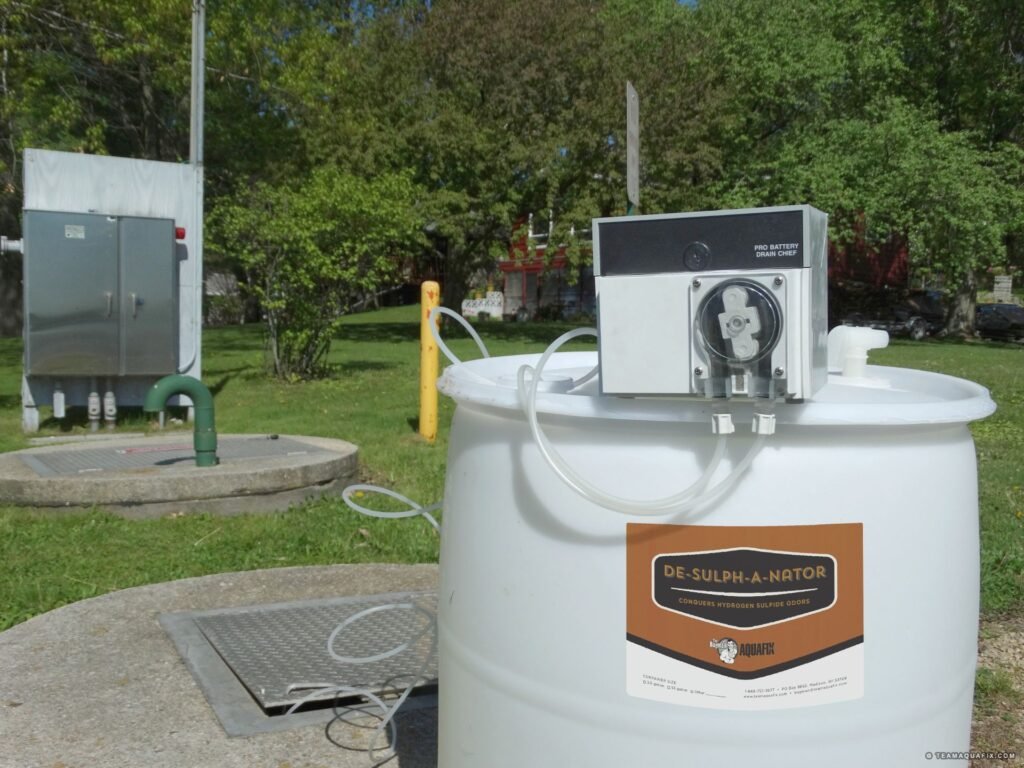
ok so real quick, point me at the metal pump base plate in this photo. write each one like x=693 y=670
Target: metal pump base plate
x=245 y=659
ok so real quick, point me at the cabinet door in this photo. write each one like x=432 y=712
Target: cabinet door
x=149 y=307
x=71 y=307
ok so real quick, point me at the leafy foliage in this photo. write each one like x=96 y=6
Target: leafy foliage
x=313 y=249
x=901 y=118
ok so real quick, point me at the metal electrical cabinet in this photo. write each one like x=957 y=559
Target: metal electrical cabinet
x=100 y=295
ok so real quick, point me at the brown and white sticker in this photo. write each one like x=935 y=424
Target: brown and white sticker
x=745 y=617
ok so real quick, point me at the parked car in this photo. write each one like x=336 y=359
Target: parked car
x=917 y=314
x=999 y=321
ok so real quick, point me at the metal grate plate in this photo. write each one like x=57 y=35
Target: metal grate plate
x=77 y=462
x=270 y=648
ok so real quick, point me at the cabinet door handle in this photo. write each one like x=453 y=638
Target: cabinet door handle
x=135 y=305
x=110 y=303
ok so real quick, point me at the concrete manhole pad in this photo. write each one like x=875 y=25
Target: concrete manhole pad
x=153 y=476
x=143 y=456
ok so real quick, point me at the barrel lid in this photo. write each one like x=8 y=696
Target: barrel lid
x=884 y=396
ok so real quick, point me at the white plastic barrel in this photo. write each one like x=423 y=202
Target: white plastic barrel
x=536 y=668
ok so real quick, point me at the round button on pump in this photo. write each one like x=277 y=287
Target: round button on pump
x=696 y=256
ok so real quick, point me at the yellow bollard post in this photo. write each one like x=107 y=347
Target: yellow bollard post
x=430 y=297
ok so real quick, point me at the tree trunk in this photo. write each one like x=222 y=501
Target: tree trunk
x=148 y=118
x=960 y=320
x=455 y=279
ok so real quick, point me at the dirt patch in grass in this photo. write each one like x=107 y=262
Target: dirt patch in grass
x=999 y=692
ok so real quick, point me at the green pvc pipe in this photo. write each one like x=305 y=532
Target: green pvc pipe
x=205 y=438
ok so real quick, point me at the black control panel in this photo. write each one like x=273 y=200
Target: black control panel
x=751 y=240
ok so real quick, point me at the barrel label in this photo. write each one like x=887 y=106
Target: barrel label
x=744 y=617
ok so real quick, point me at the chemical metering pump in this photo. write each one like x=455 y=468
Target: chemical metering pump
x=721 y=304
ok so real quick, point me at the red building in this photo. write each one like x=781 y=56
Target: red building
x=537 y=284
x=886 y=264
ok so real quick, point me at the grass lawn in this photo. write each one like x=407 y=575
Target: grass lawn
x=48 y=559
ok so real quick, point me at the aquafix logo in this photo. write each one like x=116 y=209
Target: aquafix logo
x=744 y=588
x=728 y=649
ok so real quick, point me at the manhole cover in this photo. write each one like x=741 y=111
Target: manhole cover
x=162 y=454
x=265 y=650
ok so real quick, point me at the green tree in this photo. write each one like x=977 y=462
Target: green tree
x=496 y=108
x=967 y=66
x=504 y=123
x=965 y=58
x=895 y=116
x=251 y=135
x=900 y=173
x=881 y=113
x=312 y=249
x=106 y=76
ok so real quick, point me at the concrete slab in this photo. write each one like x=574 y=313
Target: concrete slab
x=160 y=479
x=98 y=684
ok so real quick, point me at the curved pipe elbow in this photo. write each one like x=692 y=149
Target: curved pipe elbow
x=176 y=384
x=205 y=436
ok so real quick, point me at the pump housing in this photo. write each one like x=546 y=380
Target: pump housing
x=713 y=304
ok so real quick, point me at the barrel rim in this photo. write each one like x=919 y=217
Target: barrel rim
x=890 y=397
